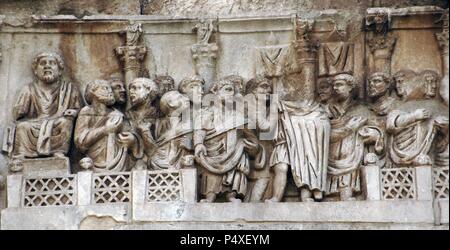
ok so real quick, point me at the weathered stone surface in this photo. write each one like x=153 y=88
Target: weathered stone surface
x=77 y=8
x=372 y=151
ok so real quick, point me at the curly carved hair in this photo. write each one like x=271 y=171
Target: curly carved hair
x=188 y=80
x=57 y=57
x=90 y=89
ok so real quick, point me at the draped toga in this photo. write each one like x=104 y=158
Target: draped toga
x=42 y=129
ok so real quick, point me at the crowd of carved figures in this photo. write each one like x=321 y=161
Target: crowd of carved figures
x=321 y=139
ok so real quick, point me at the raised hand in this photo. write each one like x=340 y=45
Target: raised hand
x=422 y=114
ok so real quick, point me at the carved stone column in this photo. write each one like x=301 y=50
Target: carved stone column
x=381 y=43
x=204 y=53
x=307 y=58
x=443 y=43
x=132 y=54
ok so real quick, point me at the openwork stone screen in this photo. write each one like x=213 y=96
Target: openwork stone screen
x=441 y=183
x=111 y=188
x=164 y=186
x=398 y=184
x=50 y=191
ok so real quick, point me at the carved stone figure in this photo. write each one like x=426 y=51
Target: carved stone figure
x=204 y=53
x=415 y=125
x=296 y=147
x=192 y=87
x=120 y=93
x=350 y=134
x=430 y=81
x=143 y=114
x=173 y=133
x=405 y=81
x=132 y=54
x=100 y=132
x=45 y=111
x=379 y=85
x=238 y=81
x=262 y=116
x=204 y=29
x=165 y=84
x=324 y=90
x=221 y=150
x=382 y=42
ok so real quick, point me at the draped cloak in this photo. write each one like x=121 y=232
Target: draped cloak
x=306 y=128
x=42 y=129
x=106 y=152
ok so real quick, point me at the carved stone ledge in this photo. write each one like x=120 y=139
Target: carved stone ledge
x=53 y=166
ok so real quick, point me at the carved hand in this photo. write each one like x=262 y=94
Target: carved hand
x=127 y=139
x=114 y=124
x=144 y=127
x=422 y=114
x=356 y=122
x=369 y=135
x=200 y=149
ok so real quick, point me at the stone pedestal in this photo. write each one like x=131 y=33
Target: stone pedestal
x=46 y=166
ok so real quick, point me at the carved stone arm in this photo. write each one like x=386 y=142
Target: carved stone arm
x=338 y=134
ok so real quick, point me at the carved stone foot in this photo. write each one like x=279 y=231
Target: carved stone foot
x=318 y=195
x=59 y=155
x=272 y=200
x=306 y=195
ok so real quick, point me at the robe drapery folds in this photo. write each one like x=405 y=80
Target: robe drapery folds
x=174 y=141
x=347 y=148
x=42 y=129
x=226 y=164
x=306 y=129
x=105 y=150
x=411 y=142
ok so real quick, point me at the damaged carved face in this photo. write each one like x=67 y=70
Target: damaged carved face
x=47 y=70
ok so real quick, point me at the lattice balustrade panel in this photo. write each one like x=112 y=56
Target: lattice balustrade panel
x=111 y=188
x=440 y=183
x=164 y=186
x=49 y=191
x=398 y=184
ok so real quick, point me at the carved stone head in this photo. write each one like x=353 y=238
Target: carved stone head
x=142 y=90
x=404 y=82
x=48 y=67
x=192 y=86
x=430 y=81
x=238 y=81
x=259 y=85
x=324 y=90
x=86 y=163
x=343 y=85
x=99 y=91
x=224 y=90
x=120 y=93
x=379 y=84
x=173 y=103
x=165 y=84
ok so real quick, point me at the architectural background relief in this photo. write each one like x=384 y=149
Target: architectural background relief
x=339 y=113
